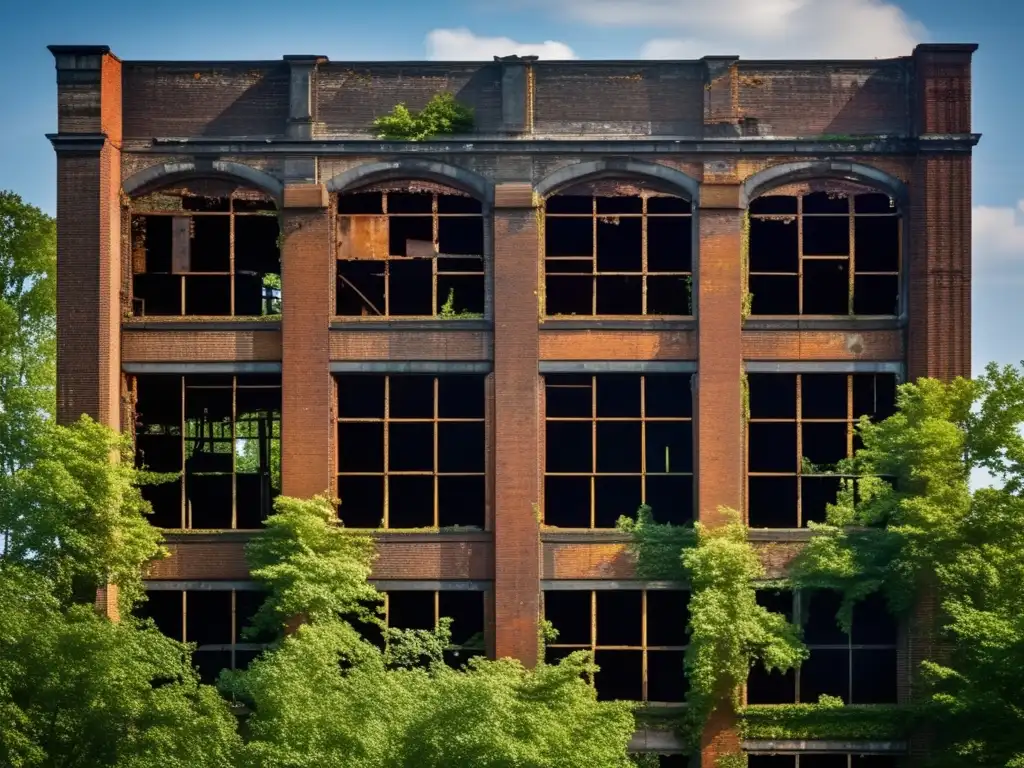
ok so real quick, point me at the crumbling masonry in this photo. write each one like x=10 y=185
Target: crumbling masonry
x=671 y=283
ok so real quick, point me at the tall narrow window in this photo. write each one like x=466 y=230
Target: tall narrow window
x=411 y=451
x=614 y=442
x=414 y=251
x=222 y=436
x=208 y=249
x=825 y=249
x=617 y=248
x=801 y=426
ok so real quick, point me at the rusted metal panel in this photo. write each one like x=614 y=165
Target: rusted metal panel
x=420 y=249
x=138 y=230
x=181 y=244
x=363 y=238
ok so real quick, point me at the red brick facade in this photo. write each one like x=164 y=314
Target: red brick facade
x=739 y=129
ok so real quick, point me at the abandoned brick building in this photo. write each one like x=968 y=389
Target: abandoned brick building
x=491 y=346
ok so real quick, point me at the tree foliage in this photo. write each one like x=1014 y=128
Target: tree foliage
x=28 y=258
x=326 y=696
x=442 y=116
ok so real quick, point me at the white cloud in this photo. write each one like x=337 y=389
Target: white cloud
x=462 y=45
x=998 y=234
x=759 y=29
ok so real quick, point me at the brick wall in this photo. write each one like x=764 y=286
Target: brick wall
x=156 y=345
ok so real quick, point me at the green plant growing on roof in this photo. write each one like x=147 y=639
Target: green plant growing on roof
x=442 y=116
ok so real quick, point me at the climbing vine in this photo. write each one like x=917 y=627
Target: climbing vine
x=442 y=116
x=747 y=299
x=829 y=718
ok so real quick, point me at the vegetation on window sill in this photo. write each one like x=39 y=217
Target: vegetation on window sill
x=828 y=719
x=442 y=116
x=448 y=311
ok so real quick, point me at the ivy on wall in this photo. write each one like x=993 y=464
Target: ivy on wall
x=830 y=718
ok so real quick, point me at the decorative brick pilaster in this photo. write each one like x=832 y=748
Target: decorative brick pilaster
x=307 y=408
x=517 y=428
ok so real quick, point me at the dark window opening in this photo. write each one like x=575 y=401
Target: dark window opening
x=614 y=442
x=618 y=255
x=411 y=451
x=214 y=256
x=423 y=609
x=825 y=253
x=801 y=428
x=638 y=638
x=410 y=254
x=222 y=436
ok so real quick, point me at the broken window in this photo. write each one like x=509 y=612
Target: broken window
x=416 y=250
x=638 y=638
x=222 y=436
x=800 y=426
x=821 y=760
x=213 y=620
x=825 y=249
x=411 y=451
x=613 y=442
x=617 y=248
x=423 y=609
x=208 y=249
x=859 y=666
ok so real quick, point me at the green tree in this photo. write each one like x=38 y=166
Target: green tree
x=911 y=527
x=326 y=696
x=442 y=116
x=28 y=259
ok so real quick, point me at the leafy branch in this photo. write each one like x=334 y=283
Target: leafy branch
x=442 y=116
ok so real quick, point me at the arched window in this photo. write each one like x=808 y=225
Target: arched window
x=618 y=247
x=825 y=248
x=410 y=249
x=204 y=248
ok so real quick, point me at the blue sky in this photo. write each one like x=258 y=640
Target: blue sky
x=449 y=29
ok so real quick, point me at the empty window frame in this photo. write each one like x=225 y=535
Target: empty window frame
x=860 y=666
x=822 y=760
x=800 y=426
x=222 y=435
x=617 y=248
x=638 y=638
x=832 y=252
x=214 y=620
x=613 y=442
x=411 y=450
x=205 y=251
x=412 y=252
x=423 y=609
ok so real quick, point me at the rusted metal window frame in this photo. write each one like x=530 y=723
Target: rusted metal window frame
x=594 y=645
x=184 y=276
x=852 y=273
x=594 y=419
x=436 y=595
x=436 y=420
x=595 y=273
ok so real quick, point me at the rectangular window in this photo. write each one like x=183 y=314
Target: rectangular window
x=638 y=638
x=800 y=426
x=411 y=450
x=618 y=255
x=822 y=760
x=214 y=620
x=613 y=442
x=860 y=666
x=214 y=256
x=222 y=435
x=412 y=253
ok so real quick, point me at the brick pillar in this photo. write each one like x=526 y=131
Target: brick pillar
x=307 y=408
x=940 y=212
x=516 y=419
x=719 y=408
x=88 y=146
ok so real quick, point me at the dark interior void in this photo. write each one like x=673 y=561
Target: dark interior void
x=832 y=760
x=802 y=251
x=611 y=623
x=402 y=463
x=224 y=441
x=859 y=667
x=410 y=254
x=604 y=255
x=613 y=442
x=788 y=488
x=206 y=618
x=415 y=609
x=190 y=265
